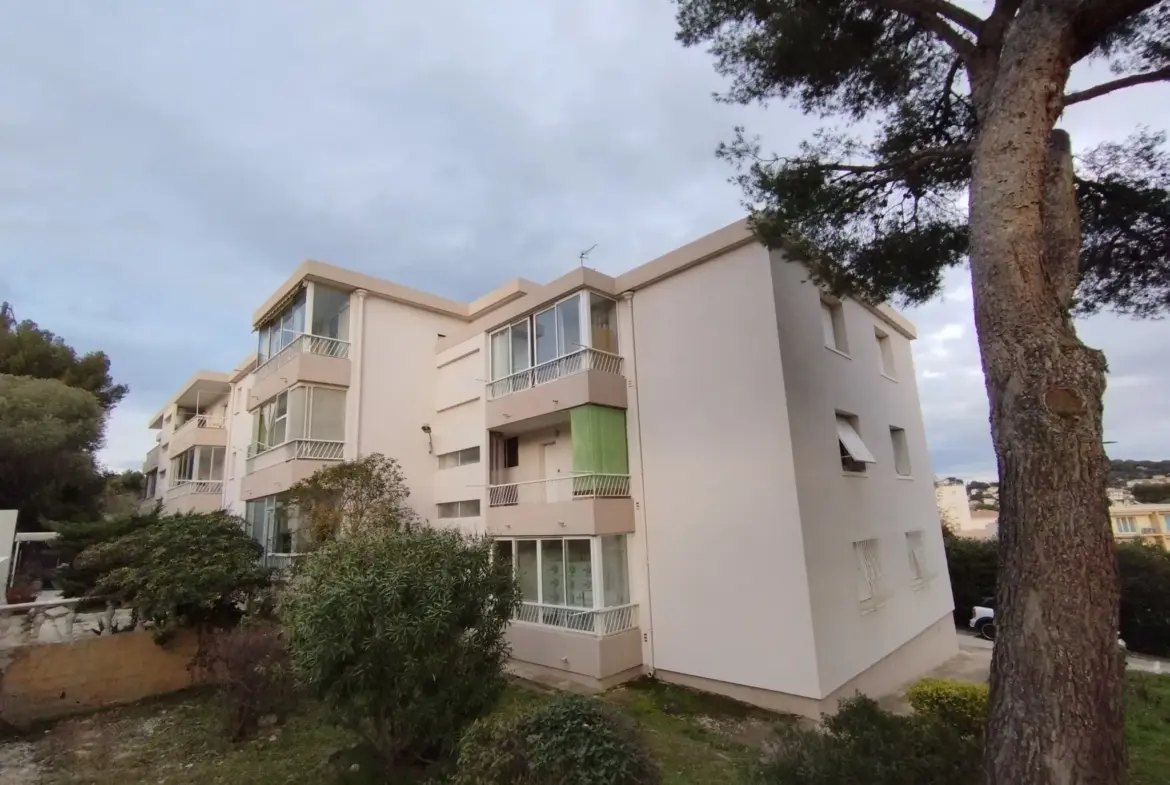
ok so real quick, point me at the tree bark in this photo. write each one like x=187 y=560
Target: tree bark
x=1056 y=677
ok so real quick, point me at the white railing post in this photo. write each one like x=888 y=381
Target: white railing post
x=584 y=359
x=584 y=485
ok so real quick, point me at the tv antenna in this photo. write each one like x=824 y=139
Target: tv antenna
x=585 y=253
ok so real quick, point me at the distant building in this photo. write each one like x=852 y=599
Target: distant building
x=953 y=507
x=1142 y=522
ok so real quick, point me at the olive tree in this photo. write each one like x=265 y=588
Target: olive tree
x=963 y=100
x=402 y=635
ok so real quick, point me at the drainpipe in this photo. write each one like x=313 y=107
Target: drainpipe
x=640 y=518
x=357 y=347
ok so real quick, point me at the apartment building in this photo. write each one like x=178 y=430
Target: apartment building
x=184 y=470
x=702 y=468
x=1149 y=523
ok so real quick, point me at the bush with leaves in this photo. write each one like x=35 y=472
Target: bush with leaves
x=366 y=494
x=190 y=570
x=972 y=564
x=254 y=672
x=863 y=743
x=402 y=635
x=570 y=740
x=75 y=537
x=958 y=704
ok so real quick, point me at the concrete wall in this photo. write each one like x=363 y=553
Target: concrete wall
x=238 y=438
x=398 y=378
x=40 y=681
x=457 y=422
x=727 y=576
x=837 y=509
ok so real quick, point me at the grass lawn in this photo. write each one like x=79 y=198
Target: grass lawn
x=1147 y=728
x=695 y=738
x=176 y=740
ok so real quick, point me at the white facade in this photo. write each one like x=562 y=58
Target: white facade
x=702 y=468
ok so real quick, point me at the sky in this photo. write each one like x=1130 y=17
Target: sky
x=165 y=166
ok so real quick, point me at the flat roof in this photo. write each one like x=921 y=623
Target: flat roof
x=203 y=386
x=520 y=296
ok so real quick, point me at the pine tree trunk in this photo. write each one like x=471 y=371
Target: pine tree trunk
x=1056 y=677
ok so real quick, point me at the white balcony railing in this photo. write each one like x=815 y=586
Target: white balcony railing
x=582 y=360
x=280 y=561
x=598 y=621
x=560 y=489
x=308 y=449
x=187 y=487
x=304 y=343
x=201 y=421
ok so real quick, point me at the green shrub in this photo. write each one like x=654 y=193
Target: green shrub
x=972 y=564
x=959 y=704
x=190 y=570
x=862 y=743
x=569 y=740
x=1145 y=598
x=402 y=635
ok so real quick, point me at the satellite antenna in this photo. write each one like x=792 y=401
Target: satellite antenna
x=583 y=254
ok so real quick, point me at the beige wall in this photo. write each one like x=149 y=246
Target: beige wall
x=458 y=423
x=728 y=587
x=576 y=652
x=398 y=381
x=838 y=509
x=239 y=436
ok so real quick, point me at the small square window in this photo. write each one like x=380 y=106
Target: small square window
x=868 y=564
x=885 y=353
x=512 y=452
x=901 y=451
x=461 y=509
x=854 y=454
x=833 y=324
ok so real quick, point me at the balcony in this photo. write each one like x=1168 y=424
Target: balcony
x=585 y=376
x=579 y=503
x=194 y=496
x=275 y=469
x=201 y=430
x=151 y=462
x=602 y=645
x=307 y=358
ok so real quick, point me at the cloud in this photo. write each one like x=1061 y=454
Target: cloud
x=164 y=166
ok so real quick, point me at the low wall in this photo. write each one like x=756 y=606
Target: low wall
x=41 y=681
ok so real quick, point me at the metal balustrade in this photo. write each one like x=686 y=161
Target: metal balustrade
x=584 y=485
x=202 y=421
x=310 y=449
x=583 y=360
x=304 y=343
x=280 y=561
x=185 y=487
x=598 y=621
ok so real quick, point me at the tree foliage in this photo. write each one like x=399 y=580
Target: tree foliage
x=74 y=537
x=877 y=217
x=27 y=350
x=366 y=494
x=187 y=570
x=1151 y=493
x=48 y=433
x=402 y=634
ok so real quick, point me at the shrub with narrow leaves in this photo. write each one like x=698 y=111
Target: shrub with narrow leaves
x=569 y=740
x=402 y=635
x=959 y=704
x=862 y=743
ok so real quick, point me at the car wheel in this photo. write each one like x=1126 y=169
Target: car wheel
x=986 y=630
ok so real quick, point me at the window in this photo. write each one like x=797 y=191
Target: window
x=282 y=329
x=1126 y=525
x=615 y=571
x=869 y=570
x=603 y=323
x=272 y=423
x=201 y=464
x=450 y=460
x=303 y=412
x=916 y=551
x=512 y=452
x=901 y=451
x=885 y=353
x=463 y=509
x=854 y=454
x=274 y=524
x=330 y=313
x=833 y=324
x=561 y=330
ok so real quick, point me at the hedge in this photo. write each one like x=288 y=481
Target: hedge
x=1145 y=588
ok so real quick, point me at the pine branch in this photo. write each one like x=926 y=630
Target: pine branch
x=902 y=163
x=1160 y=75
x=997 y=23
x=934 y=15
